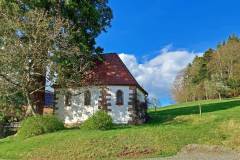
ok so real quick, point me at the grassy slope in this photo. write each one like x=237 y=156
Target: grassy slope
x=170 y=129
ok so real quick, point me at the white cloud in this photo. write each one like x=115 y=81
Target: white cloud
x=157 y=74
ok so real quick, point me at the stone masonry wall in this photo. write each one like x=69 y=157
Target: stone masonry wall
x=104 y=99
x=136 y=108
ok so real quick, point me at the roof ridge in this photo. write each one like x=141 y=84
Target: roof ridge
x=125 y=67
x=112 y=71
x=110 y=53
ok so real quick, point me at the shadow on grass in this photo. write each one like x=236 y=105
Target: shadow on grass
x=121 y=126
x=169 y=114
x=114 y=127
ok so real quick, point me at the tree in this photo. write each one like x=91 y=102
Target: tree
x=88 y=18
x=225 y=67
x=155 y=103
x=42 y=36
x=24 y=54
x=214 y=75
x=179 y=88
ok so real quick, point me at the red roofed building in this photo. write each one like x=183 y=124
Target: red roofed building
x=111 y=87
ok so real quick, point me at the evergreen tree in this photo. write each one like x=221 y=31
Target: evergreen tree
x=48 y=35
x=214 y=75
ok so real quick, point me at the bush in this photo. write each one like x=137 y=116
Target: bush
x=37 y=125
x=2 y=117
x=99 y=121
x=11 y=113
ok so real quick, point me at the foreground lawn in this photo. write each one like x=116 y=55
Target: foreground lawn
x=169 y=129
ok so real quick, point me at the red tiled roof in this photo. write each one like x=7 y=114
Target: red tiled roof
x=112 y=71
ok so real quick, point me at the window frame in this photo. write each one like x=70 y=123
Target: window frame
x=119 y=97
x=87 y=98
x=68 y=99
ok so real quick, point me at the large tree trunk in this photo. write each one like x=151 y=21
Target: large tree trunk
x=39 y=96
x=36 y=97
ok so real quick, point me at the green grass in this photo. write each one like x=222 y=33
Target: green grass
x=169 y=129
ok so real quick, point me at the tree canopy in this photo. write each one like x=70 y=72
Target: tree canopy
x=214 y=75
x=48 y=39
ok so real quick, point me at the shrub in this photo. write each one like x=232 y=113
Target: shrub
x=2 y=117
x=99 y=121
x=11 y=113
x=37 y=125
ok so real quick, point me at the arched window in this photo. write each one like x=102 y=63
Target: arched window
x=87 y=98
x=119 y=96
x=68 y=99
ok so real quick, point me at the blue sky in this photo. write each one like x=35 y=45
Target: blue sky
x=150 y=33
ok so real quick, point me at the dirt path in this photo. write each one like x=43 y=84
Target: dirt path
x=204 y=152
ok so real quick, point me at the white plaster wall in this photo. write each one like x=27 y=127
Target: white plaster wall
x=77 y=112
x=140 y=96
x=120 y=114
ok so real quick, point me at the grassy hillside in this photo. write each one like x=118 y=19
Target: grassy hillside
x=169 y=130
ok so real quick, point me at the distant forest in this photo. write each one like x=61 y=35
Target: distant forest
x=216 y=74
